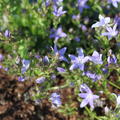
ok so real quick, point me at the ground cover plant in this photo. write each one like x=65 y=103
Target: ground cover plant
x=60 y=60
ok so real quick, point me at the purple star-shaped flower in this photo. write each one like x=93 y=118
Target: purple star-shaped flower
x=103 y=22
x=6 y=69
x=47 y=3
x=21 y=79
x=88 y=96
x=93 y=76
x=57 y=34
x=46 y=60
x=40 y=80
x=117 y=21
x=111 y=32
x=60 y=53
x=1 y=57
x=56 y=101
x=76 y=17
x=53 y=77
x=82 y=5
x=26 y=64
x=1 y=66
x=7 y=33
x=58 y=11
x=114 y=2
x=79 y=61
x=111 y=58
x=96 y=58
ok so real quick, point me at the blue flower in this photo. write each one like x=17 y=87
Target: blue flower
x=21 y=79
x=96 y=58
x=57 y=33
x=111 y=58
x=45 y=60
x=76 y=17
x=83 y=27
x=6 y=69
x=93 y=76
x=37 y=56
x=88 y=96
x=105 y=70
x=60 y=53
x=40 y=80
x=117 y=21
x=82 y=5
x=47 y=3
x=77 y=39
x=53 y=76
x=79 y=61
x=103 y=22
x=114 y=2
x=111 y=32
x=1 y=57
x=7 y=33
x=1 y=66
x=56 y=101
x=25 y=65
x=58 y=11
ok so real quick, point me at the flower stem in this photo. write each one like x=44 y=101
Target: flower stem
x=89 y=112
x=111 y=83
x=58 y=87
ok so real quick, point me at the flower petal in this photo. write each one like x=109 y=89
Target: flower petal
x=74 y=66
x=80 y=52
x=84 y=103
x=91 y=103
x=95 y=96
x=55 y=48
x=62 y=51
x=81 y=66
x=107 y=20
x=96 y=25
x=83 y=95
x=72 y=57
x=61 y=70
x=62 y=58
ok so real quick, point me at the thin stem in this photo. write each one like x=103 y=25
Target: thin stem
x=111 y=83
x=89 y=112
x=58 y=87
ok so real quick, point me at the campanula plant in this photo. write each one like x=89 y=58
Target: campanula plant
x=68 y=52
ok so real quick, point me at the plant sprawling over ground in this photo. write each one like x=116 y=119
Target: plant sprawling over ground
x=69 y=50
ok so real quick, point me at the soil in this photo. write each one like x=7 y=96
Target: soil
x=14 y=106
